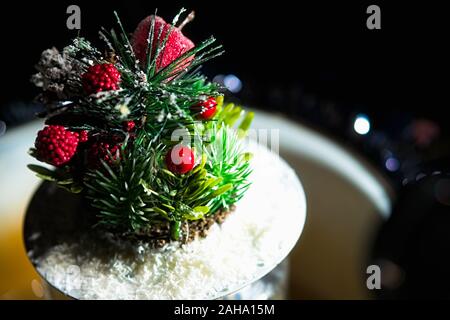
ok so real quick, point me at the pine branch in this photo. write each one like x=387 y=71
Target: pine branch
x=226 y=160
x=134 y=190
x=138 y=193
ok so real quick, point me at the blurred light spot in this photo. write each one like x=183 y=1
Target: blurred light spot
x=232 y=83
x=424 y=131
x=420 y=176
x=392 y=164
x=405 y=182
x=219 y=79
x=34 y=236
x=442 y=191
x=392 y=275
x=37 y=288
x=2 y=128
x=362 y=124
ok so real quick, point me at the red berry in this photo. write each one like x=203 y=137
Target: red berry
x=206 y=109
x=110 y=153
x=180 y=159
x=176 y=44
x=100 y=77
x=56 y=145
x=129 y=126
x=84 y=136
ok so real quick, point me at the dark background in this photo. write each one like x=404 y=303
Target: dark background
x=322 y=48
x=317 y=63
x=314 y=61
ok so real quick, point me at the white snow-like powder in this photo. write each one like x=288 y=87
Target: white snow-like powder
x=254 y=239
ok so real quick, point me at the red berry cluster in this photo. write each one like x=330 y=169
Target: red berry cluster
x=129 y=126
x=84 y=136
x=206 y=109
x=105 y=151
x=101 y=77
x=56 y=145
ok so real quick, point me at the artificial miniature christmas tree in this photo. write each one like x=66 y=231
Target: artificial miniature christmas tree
x=156 y=168
x=111 y=122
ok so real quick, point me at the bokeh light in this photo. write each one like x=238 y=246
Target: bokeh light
x=361 y=124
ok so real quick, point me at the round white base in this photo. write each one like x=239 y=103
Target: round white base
x=252 y=241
